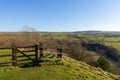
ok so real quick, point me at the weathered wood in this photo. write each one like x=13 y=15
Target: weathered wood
x=1 y=63
x=29 y=51
x=39 y=57
x=36 y=52
x=14 y=56
x=17 y=47
x=41 y=52
x=25 y=55
x=25 y=47
x=59 y=50
x=59 y=55
x=48 y=59
x=5 y=55
x=28 y=55
x=24 y=60
x=5 y=48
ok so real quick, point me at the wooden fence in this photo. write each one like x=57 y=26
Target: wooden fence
x=37 y=57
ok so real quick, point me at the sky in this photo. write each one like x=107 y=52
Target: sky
x=60 y=15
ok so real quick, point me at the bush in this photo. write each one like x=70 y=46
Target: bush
x=77 y=52
x=103 y=63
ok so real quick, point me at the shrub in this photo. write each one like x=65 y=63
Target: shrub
x=103 y=63
x=77 y=52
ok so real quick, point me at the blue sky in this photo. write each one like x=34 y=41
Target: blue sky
x=60 y=15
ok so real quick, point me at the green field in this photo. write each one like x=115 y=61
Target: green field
x=112 y=40
x=69 y=70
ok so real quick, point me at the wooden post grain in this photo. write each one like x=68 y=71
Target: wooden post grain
x=14 y=56
x=36 y=52
x=59 y=55
x=41 y=53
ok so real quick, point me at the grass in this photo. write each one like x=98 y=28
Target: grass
x=70 y=70
x=109 y=41
x=6 y=59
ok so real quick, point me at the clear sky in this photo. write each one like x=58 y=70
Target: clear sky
x=60 y=15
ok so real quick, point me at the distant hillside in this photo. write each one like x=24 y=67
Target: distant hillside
x=88 y=31
x=95 y=31
x=70 y=70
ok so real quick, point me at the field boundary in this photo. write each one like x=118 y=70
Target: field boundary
x=37 y=57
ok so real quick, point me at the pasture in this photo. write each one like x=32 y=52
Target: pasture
x=67 y=69
x=70 y=70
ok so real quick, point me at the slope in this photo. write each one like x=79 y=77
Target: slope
x=70 y=70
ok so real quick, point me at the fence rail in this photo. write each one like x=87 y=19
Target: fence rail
x=5 y=48
x=37 y=57
x=5 y=62
x=5 y=55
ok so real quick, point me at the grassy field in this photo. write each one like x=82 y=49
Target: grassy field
x=70 y=70
x=109 y=41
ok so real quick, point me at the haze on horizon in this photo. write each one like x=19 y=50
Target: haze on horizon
x=60 y=15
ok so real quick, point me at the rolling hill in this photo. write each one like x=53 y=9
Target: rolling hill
x=70 y=70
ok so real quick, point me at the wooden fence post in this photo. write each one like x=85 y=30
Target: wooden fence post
x=36 y=52
x=41 y=50
x=14 y=56
x=59 y=55
x=41 y=54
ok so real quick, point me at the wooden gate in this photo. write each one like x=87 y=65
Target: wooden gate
x=28 y=56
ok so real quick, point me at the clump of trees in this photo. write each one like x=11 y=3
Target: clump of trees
x=27 y=36
x=108 y=51
x=103 y=63
x=76 y=51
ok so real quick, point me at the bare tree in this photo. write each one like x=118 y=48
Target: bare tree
x=31 y=34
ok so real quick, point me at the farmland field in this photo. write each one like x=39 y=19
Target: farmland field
x=68 y=69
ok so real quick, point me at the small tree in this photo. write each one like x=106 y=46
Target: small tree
x=103 y=63
x=76 y=51
x=30 y=34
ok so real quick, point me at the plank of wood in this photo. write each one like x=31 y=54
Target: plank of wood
x=1 y=63
x=24 y=60
x=25 y=46
x=28 y=51
x=28 y=55
x=25 y=55
x=5 y=55
x=5 y=48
